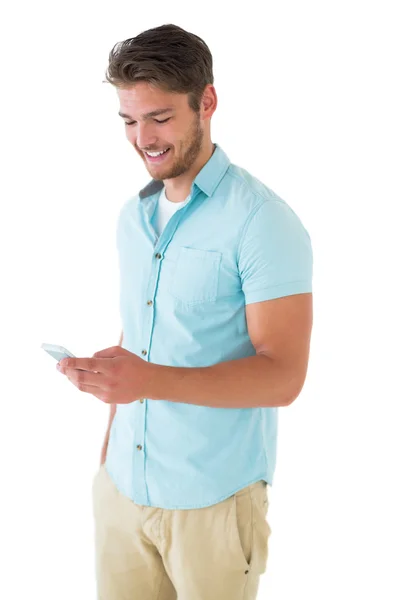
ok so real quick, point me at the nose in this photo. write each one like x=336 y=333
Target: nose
x=146 y=138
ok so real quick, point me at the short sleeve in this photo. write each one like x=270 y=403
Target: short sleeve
x=275 y=255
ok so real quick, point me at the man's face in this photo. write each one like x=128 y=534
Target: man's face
x=181 y=133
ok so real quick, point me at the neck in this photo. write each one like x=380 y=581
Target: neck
x=178 y=188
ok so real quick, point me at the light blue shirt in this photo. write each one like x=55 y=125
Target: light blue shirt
x=182 y=301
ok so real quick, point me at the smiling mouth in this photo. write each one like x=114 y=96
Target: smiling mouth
x=158 y=158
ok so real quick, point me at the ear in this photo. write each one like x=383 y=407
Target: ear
x=209 y=102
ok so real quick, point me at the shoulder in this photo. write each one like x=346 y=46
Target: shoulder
x=255 y=201
x=127 y=217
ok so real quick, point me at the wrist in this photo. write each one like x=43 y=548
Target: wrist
x=155 y=388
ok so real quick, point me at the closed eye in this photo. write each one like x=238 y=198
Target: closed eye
x=156 y=120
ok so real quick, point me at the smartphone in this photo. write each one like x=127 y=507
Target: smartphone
x=57 y=352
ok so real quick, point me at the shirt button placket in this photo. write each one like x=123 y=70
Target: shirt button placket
x=144 y=352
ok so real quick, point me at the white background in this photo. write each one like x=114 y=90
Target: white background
x=309 y=103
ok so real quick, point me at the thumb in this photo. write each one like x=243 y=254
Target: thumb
x=110 y=352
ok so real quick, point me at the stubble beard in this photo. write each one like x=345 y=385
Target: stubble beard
x=183 y=164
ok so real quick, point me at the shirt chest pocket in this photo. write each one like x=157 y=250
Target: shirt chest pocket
x=195 y=275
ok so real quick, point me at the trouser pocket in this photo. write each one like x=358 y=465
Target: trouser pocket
x=251 y=530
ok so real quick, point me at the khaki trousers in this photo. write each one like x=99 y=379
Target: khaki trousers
x=212 y=553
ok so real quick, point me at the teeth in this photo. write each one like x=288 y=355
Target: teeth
x=154 y=154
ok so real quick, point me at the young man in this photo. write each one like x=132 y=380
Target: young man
x=216 y=306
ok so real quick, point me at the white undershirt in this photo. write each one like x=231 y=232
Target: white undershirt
x=165 y=210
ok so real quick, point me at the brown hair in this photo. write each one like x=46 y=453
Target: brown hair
x=168 y=57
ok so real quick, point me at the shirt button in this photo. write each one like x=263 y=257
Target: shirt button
x=149 y=302
x=139 y=447
x=144 y=352
x=141 y=400
x=158 y=255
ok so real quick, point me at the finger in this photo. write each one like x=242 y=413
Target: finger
x=86 y=378
x=99 y=392
x=109 y=352
x=94 y=365
x=95 y=391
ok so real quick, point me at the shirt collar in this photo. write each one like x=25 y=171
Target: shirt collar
x=206 y=180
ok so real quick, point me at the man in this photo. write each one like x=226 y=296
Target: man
x=216 y=306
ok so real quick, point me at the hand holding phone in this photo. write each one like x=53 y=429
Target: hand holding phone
x=57 y=352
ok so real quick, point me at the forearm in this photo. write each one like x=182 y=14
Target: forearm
x=254 y=381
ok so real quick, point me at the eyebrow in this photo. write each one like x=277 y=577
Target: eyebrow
x=153 y=113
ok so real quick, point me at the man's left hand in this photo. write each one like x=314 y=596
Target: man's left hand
x=114 y=375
